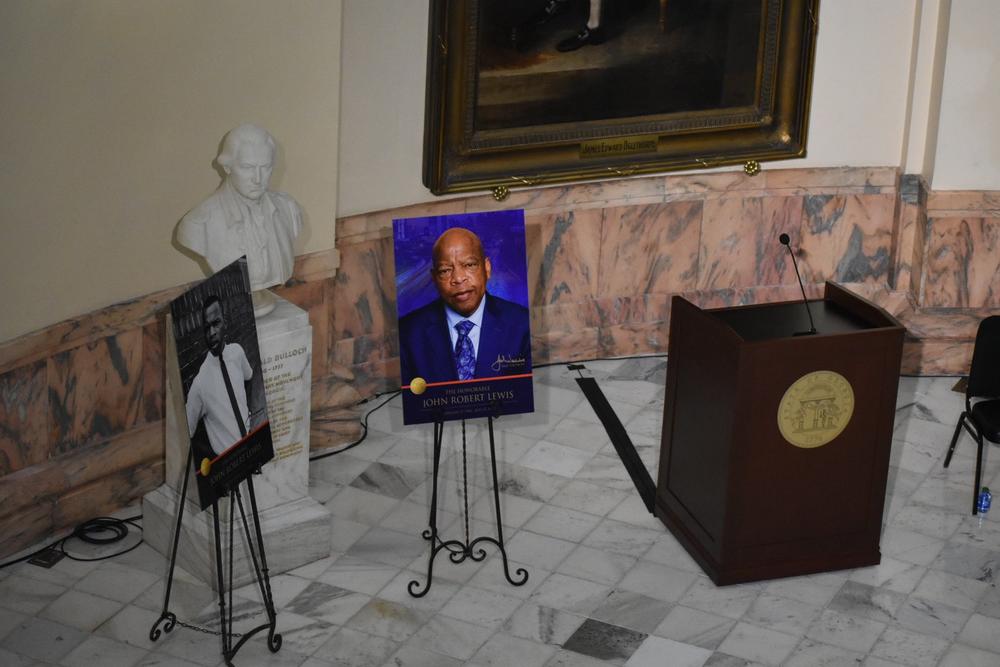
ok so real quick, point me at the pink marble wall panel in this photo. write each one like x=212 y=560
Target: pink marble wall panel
x=312 y=297
x=363 y=313
x=153 y=370
x=847 y=238
x=780 y=215
x=95 y=391
x=563 y=256
x=910 y=236
x=963 y=260
x=650 y=249
x=24 y=417
x=986 y=202
x=725 y=258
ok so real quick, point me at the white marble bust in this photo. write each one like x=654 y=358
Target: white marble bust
x=243 y=217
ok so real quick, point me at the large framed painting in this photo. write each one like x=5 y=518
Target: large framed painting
x=528 y=92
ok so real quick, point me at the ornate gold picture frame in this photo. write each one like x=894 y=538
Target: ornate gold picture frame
x=520 y=94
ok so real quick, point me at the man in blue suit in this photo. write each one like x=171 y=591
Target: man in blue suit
x=467 y=333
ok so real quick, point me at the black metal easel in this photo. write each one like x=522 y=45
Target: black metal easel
x=460 y=550
x=260 y=572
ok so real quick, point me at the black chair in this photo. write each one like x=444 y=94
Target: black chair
x=981 y=417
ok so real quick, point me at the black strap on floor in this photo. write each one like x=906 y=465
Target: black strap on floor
x=619 y=438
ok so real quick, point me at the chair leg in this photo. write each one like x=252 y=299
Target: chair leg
x=979 y=474
x=954 y=439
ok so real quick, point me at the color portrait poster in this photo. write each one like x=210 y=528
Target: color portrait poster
x=464 y=326
x=218 y=355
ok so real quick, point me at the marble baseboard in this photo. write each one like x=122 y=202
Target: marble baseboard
x=294 y=534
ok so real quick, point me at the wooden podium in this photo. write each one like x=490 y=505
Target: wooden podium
x=775 y=447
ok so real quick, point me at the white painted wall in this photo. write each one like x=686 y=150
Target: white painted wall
x=968 y=139
x=111 y=113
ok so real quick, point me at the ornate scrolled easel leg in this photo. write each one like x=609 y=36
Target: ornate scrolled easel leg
x=165 y=614
x=459 y=550
x=521 y=572
x=226 y=637
x=431 y=532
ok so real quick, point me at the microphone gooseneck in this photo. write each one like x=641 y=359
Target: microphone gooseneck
x=785 y=241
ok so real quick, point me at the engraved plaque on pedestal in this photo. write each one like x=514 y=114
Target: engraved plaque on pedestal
x=296 y=529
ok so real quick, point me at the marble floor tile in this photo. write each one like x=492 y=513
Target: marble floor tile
x=28 y=596
x=631 y=610
x=353 y=648
x=600 y=565
x=952 y=589
x=864 y=601
x=658 y=581
x=411 y=656
x=811 y=654
x=388 y=546
x=656 y=651
x=329 y=604
x=562 y=523
x=782 y=614
x=545 y=625
x=931 y=618
x=633 y=511
x=909 y=648
x=981 y=632
x=579 y=434
x=301 y=634
x=514 y=511
x=570 y=594
x=503 y=650
x=668 y=551
x=437 y=596
x=131 y=626
x=565 y=658
x=695 y=627
x=9 y=620
x=390 y=620
x=604 y=641
x=451 y=637
x=355 y=574
x=555 y=459
x=42 y=640
x=891 y=574
x=845 y=631
x=80 y=610
x=389 y=480
x=104 y=652
x=360 y=506
x=603 y=567
x=491 y=576
x=594 y=499
x=485 y=608
x=758 y=644
x=959 y=655
x=623 y=538
x=730 y=601
x=968 y=561
x=115 y=582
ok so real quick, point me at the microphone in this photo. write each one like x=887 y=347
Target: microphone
x=784 y=240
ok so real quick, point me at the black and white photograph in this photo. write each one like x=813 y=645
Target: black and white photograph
x=219 y=359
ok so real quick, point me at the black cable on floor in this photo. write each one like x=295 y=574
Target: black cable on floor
x=99 y=531
x=364 y=424
x=573 y=365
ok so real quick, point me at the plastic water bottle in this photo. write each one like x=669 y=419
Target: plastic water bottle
x=984 y=500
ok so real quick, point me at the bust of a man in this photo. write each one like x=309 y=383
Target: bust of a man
x=243 y=217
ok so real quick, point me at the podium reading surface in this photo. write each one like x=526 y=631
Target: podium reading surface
x=775 y=447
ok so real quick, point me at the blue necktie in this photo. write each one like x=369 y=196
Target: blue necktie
x=465 y=356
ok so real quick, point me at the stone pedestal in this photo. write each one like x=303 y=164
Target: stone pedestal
x=296 y=529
